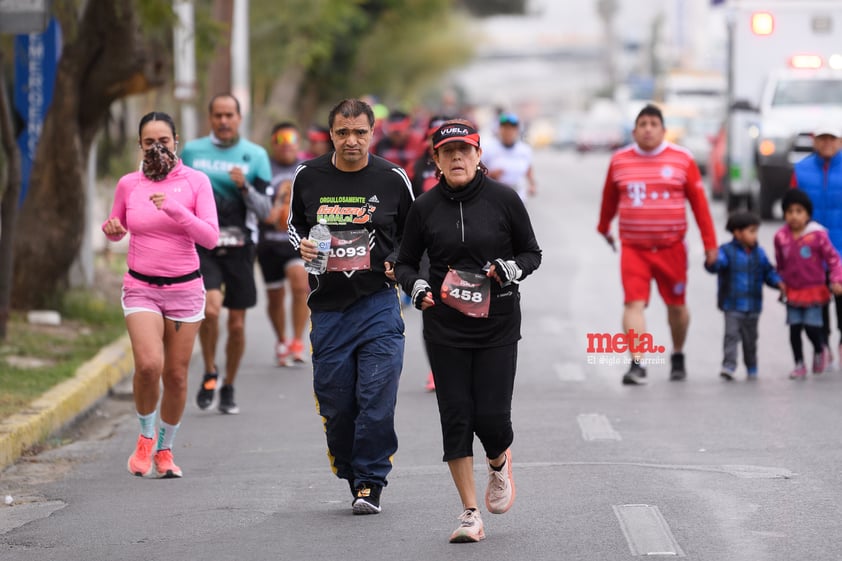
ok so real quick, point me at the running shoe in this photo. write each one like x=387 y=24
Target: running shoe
x=282 y=354
x=635 y=376
x=226 y=400
x=470 y=530
x=430 y=386
x=677 y=371
x=296 y=347
x=821 y=360
x=726 y=374
x=165 y=466
x=367 y=500
x=140 y=462
x=799 y=373
x=205 y=396
x=751 y=373
x=500 y=492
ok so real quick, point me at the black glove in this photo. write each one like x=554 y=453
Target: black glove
x=508 y=271
x=419 y=290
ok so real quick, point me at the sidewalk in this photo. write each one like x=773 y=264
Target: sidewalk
x=66 y=402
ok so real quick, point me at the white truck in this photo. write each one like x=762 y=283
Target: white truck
x=784 y=78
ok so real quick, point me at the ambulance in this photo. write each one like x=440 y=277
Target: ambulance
x=784 y=79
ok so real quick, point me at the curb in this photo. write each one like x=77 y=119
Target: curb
x=67 y=401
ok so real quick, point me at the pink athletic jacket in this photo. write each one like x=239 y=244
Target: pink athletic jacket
x=803 y=263
x=162 y=242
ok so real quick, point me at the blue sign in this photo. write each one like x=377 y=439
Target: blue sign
x=36 y=60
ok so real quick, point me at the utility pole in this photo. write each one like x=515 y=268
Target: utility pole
x=184 y=39
x=607 y=10
x=240 y=71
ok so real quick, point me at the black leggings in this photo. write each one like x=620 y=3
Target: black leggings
x=814 y=333
x=474 y=391
x=837 y=303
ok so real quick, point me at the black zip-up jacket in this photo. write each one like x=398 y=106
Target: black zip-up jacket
x=465 y=229
x=375 y=198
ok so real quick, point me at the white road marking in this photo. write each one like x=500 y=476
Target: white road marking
x=646 y=531
x=596 y=427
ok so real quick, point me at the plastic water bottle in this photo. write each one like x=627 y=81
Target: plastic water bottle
x=320 y=234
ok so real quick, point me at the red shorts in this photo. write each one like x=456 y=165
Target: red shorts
x=667 y=265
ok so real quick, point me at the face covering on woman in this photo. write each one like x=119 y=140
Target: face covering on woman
x=158 y=161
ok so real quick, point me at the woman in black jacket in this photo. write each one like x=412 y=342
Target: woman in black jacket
x=480 y=242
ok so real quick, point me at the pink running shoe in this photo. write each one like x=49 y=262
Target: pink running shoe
x=165 y=466
x=140 y=462
x=296 y=347
x=430 y=386
x=821 y=361
x=500 y=493
x=799 y=373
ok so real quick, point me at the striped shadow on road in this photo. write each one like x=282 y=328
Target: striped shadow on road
x=596 y=427
x=646 y=531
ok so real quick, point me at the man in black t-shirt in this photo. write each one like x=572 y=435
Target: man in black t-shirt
x=357 y=332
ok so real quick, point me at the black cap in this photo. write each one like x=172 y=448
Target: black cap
x=455 y=132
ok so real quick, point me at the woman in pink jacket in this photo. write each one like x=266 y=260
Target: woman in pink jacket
x=168 y=208
x=805 y=257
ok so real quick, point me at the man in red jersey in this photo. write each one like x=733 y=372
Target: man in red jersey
x=647 y=185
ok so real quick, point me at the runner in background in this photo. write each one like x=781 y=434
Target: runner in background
x=239 y=173
x=401 y=144
x=318 y=142
x=279 y=262
x=509 y=158
x=425 y=177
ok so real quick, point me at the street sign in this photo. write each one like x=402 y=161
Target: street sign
x=36 y=60
x=23 y=16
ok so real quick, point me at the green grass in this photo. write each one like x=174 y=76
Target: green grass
x=35 y=358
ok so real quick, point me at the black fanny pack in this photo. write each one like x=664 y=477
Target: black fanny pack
x=161 y=281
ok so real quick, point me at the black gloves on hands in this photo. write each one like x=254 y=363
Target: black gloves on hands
x=508 y=271
x=419 y=290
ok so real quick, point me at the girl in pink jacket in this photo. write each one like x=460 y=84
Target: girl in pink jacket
x=805 y=256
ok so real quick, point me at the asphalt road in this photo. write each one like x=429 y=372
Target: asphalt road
x=705 y=469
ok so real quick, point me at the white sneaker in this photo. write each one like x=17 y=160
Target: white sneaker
x=471 y=528
x=500 y=493
x=282 y=354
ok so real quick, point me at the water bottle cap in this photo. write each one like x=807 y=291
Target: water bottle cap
x=322 y=220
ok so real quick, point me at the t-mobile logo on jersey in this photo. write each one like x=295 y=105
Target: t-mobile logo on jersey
x=637 y=192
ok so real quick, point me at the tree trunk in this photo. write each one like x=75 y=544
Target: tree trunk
x=219 y=74
x=279 y=105
x=8 y=202
x=105 y=60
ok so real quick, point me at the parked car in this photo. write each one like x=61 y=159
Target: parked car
x=699 y=136
x=599 y=135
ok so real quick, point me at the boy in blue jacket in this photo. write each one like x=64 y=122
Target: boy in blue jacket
x=742 y=267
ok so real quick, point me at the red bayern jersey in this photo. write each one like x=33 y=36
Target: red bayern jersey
x=649 y=191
